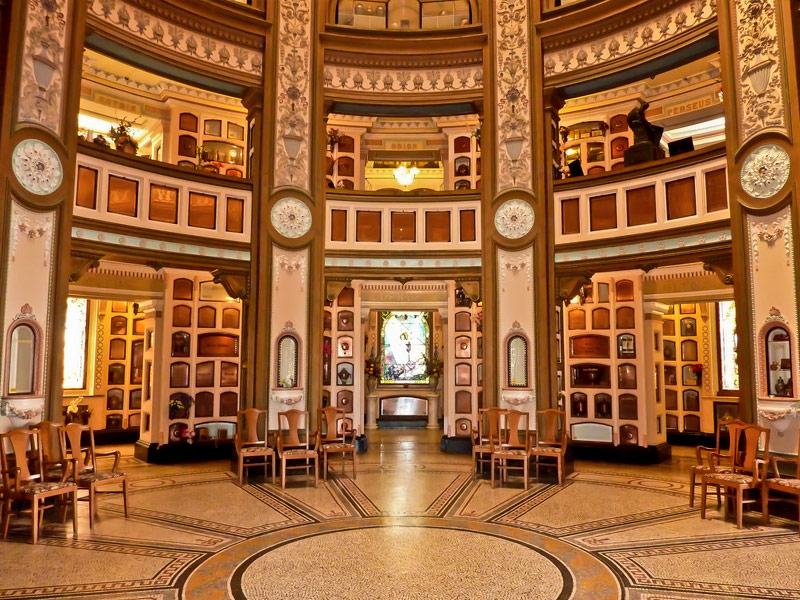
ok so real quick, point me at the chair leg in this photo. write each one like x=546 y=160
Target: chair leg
x=75 y=513
x=525 y=472
x=91 y=507
x=316 y=471
x=703 y=493
x=35 y=517
x=491 y=466
x=765 y=504
x=324 y=466
x=739 y=507
x=692 y=476
x=6 y=516
x=719 y=496
x=355 y=464
x=125 y=496
x=283 y=473
x=241 y=469
x=560 y=467
x=274 y=468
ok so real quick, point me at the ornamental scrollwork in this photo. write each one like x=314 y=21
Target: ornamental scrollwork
x=765 y=171
x=149 y=27
x=290 y=264
x=37 y=167
x=403 y=80
x=760 y=81
x=42 y=77
x=770 y=233
x=514 y=219
x=294 y=86
x=291 y=217
x=514 y=155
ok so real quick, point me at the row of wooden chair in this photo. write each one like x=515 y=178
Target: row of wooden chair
x=50 y=462
x=505 y=437
x=738 y=470
x=293 y=442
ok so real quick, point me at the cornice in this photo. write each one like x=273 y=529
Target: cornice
x=424 y=61
x=404 y=43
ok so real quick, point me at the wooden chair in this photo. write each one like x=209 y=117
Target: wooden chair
x=252 y=449
x=85 y=471
x=551 y=440
x=22 y=484
x=785 y=485
x=747 y=470
x=513 y=448
x=332 y=437
x=50 y=439
x=704 y=453
x=294 y=449
x=486 y=436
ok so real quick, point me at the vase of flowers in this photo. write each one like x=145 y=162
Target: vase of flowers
x=372 y=371
x=123 y=141
x=433 y=369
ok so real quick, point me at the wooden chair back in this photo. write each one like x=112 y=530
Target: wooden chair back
x=71 y=436
x=553 y=428
x=516 y=421
x=50 y=438
x=745 y=448
x=17 y=447
x=293 y=419
x=490 y=425
x=248 y=430
x=328 y=420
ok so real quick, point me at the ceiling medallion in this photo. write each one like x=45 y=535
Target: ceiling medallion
x=514 y=219
x=765 y=171
x=291 y=217
x=37 y=167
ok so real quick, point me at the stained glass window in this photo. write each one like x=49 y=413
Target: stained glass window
x=405 y=345
x=729 y=367
x=75 y=343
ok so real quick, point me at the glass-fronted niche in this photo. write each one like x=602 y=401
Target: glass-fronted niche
x=404 y=14
x=778 y=347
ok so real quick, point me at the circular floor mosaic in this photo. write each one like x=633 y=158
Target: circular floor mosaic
x=406 y=562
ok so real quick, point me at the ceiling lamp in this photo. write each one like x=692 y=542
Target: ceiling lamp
x=404 y=175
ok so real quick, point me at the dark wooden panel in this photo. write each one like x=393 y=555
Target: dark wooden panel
x=86 y=195
x=641 y=205
x=681 y=201
x=338 y=225
x=467 y=222
x=716 y=190
x=603 y=212
x=123 y=196
x=437 y=226
x=368 y=226
x=570 y=216
x=404 y=226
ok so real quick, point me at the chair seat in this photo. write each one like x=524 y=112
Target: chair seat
x=735 y=478
x=48 y=486
x=483 y=448
x=298 y=453
x=546 y=450
x=88 y=478
x=256 y=450
x=707 y=469
x=510 y=453
x=337 y=446
x=793 y=484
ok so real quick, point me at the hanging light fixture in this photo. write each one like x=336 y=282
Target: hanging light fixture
x=404 y=175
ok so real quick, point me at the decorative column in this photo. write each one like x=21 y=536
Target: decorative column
x=518 y=249
x=38 y=142
x=757 y=47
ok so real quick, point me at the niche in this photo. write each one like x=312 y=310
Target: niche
x=517 y=362
x=778 y=350
x=115 y=399
x=228 y=404
x=287 y=372
x=691 y=400
x=344 y=400
x=591 y=375
x=576 y=319
x=626 y=376
x=181 y=316
x=624 y=290
x=602 y=406
x=578 y=406
x=463 y=321
x=204 y=405
x=626 y=318
x=589 y=346
x=463 y=402
x=628 y=435
x=601 y=318
x=206 y=317
x=628 y=407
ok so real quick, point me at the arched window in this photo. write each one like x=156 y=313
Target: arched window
x=287 y=361
x=517 y=362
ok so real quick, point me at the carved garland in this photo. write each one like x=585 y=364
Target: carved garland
x=294 y=85
x=514 y=157
x=403 y=81
x=770 y=233
x=284 y=262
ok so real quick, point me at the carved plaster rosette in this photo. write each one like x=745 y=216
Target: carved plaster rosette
x=37 y=167
x=291 y=217
x=514 y=219
x=765 y=171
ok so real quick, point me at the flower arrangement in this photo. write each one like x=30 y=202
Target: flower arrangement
x=333 y=138
x=122 y=136
x=697 y=368
x=371 y=367
x=433 y=366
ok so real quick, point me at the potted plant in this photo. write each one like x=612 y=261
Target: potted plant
x=179 y=406
x=121 y=135
x=372 y=370
x=333 y=139
x=433 y=369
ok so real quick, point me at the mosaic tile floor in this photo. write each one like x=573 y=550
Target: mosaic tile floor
x=414 y=525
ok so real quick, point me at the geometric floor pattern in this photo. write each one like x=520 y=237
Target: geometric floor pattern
x=415 y=524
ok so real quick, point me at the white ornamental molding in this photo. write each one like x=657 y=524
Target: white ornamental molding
x=517 y=399
x=37 y=167
x=770 y=233
x=132 y=21
x=628 y=41
x=514 y=265
x=760 y=82
x=291 y=217
x=514 y=219
x=765 y=171
x=401 y=81
x=512 y=80
x=289 y=399
x=42 y=78
x=290 y=264
x=294 y=87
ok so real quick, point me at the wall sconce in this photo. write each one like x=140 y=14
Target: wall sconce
x=759 y=75
x=43 y=69
x=292 y=143
x=514 y=145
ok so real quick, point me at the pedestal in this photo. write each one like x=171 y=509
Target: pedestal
x=433 y=411
x=372 y=412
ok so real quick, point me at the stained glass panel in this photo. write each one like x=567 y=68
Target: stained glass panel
x=405 y=345
x=75 y=343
